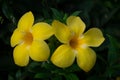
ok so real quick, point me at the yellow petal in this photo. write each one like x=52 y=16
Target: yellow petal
x=118 y=78
x=42 y=31
x=76 y=25
x=20 y=55
x=63 y=56
x=86 y=58
x=26 y=21
x=93 y=37
x=39 y=51
x=62 y=32
x=16 y=37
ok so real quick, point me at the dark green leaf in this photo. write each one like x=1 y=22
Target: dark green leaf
x=65 y=17
x=71 y=76
x=113 y=58
x=34 y=67
x=8 y=12
x=73 y=68
x=113 y=50
x=56 y=14
x=10 y=77
x=76 y=13
x=42 y=75
x=57 y=78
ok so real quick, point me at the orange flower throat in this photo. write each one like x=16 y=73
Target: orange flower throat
x=28 y=38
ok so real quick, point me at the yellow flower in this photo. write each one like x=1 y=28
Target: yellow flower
x=75 y=44
x=118 y=78
x=29 y=40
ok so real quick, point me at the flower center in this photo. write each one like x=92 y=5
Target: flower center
x=75 y=42
x=28 y=38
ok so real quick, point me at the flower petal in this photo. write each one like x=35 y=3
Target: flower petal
x=39 y=51
x=42 y=31
x=93 y=37
x=62 y=32
x=26 y=21
x=16 y=37
x=86 y=58
x=63 y=56
x=76 y=25
x=20 y=55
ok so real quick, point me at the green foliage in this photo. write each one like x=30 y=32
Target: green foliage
x=113 y=51
x=113 y=57
x=104 y=14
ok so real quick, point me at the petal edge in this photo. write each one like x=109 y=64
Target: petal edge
x=39 y=51
x=16 y=37
x=93 y=37
x=86 y=58
x=62 y=32
x=26 y=21
x=20 y=55
x=42 y=31
x=76 y=25
x=63 y=56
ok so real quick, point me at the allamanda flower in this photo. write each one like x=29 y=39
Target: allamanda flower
x=75 y=44
x=28 y=40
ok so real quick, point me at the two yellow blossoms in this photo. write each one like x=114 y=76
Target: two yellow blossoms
x=28 y=40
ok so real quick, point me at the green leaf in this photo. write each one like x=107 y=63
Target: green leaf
x=113 y=51
x=76 y=13
x=34 y=66
x=113 y=58
x=56 y=14
x=10 y=77
x=8 y=12
x=113 y=71
x=73 y=68
x=18 y=74
x=71 y=76
x=42 y=75
x=65 y=17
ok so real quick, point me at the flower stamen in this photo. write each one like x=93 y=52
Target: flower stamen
x=28 y=38
x=74 y=42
